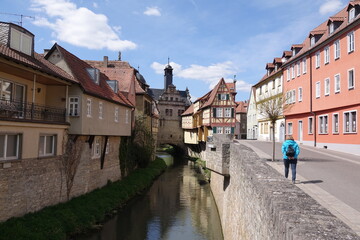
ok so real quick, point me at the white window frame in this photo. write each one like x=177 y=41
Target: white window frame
x=337 y=52
x=318 y=89
x=47 y=137
x=317 y=60
x=223 y=96
x=335 y=125
x=352 y=122
x=351 y=14
x=116 y=114
x=127 y=116
x=289 y=128
x=74 y=105
x=327 y=86
x=227 y=130
x=323 y=124
x=298 y=69
x=337 y=83
x=304 y=66
x=326 y=55
x=96 y=147
x=101 y=110
x=300 y=93
x=351 y=42
x=331 y=28
x=310 y=125
x=312 y=41
x=88 y=107
x=293 y=96
x=107 y=149
x=5 y=148
x=352 y=85
x=219 y=112
x=288 y=74
x=292 y=71
x=219 y=130
x=227 y=112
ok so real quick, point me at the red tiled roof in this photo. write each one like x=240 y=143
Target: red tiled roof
x=78 y=69
x=277 y=60
x=37 y=63
x=189 y=110
x=241 y=107
x=336 y=19
x=231 y=87
x=287 y=54
x=269 y=65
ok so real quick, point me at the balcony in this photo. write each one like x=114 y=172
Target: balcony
x=23 y=111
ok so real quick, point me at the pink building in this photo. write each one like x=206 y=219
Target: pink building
x=322 y=84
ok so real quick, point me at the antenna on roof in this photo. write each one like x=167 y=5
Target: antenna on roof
x=18 y=15
x=138 y=68
x=119 y=56
x=168 y=61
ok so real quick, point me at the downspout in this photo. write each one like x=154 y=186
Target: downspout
x=311 y=103
x=33 y=98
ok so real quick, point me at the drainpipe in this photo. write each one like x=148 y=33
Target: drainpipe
x=311 y=103
x=33 y=98
x=66 y=104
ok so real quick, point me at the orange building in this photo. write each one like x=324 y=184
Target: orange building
x=322 y=84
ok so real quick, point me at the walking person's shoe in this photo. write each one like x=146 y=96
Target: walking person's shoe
x=293 y=181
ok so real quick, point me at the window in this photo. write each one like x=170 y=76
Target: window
x=288 y=74
x=107 y=149
x=292 y=71
x=317 y=90
x=88 y=107
x=331 y=28
x=337 y=83
x=312 y=41
x=96 y=147
x=100 y=110
x=335 y=125
x=323 y=124
x=326 y=55
x=73 y=106
x=127 y=116
x=219 y=130
x=351 y=14
x=227 y=130
x=304 y=66
x=337 y=49
x=298 y=69
x=300 y=94
x=351 y=43
x=223 y=96
x=47 y=145
x=219 y=112
x=289 y=128
x=21 y=42
x=170 y=112
x=351 y=81
x=227 y=112
x=327 y=86
x=311 y=125
x=350 y=122
x=116 y=114
x=9 y=146
x=293 y=96
x=317 y=60
x=94 y=74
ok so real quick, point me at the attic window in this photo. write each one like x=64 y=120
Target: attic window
x=331 y=28
x=351 y=14
x=114 y=85
x=94 y=74
x=312 y=41
x=21 y=41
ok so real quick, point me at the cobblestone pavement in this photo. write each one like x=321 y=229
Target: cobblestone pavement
x=332 y=178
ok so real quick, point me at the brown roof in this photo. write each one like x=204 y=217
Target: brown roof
x=287 y=54
x=78 y=69
x=269 y=65
x=37 y=63
x=297 y=46
x=277 y=60
x=189 y=110
x=241 y=107
x=231 y=86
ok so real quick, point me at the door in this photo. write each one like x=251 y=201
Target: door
x=282 y=132
x=300 y=131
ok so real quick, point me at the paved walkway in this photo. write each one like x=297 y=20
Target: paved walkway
x=331 y=178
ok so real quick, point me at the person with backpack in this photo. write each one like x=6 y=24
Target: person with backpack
x=290 y=150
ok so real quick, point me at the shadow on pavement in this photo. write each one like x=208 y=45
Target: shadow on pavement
x=312 y=181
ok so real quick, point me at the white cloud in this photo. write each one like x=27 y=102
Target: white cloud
x=78 y=26
x=208 y=74
x=152 y=11
x=330 y=6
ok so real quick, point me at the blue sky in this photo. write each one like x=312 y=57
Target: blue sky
x=204 y=39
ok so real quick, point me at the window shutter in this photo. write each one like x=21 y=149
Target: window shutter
x=232 y=112
x=219 y=96
x=232 y=130
x=227 y=97
x=214 y=112
x=214 y=129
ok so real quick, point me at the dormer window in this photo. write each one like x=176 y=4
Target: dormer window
x=351 y=14
x=293 y=52
x=94 y=74
x=331 y=28
x=114 y=85
x=20 y=41
x=312 y=41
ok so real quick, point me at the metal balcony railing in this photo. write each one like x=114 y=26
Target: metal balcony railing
x=18 y=110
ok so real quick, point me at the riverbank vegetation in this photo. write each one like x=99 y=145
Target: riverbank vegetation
x=82 y=213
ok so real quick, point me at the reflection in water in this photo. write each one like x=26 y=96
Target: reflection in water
x=175 y=207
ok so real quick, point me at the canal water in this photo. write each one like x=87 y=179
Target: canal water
x=177 y=206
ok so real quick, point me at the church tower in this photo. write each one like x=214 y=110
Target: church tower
x=168 y=76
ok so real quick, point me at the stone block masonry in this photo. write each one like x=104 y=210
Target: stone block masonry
x=256 y=202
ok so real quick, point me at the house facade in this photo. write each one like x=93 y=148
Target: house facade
x=322 y=80
x=213 y=113
x=251 y=114
x=241 y=120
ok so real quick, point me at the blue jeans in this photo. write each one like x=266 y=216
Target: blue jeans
x=292 y=163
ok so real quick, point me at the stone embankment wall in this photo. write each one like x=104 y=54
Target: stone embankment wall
x=29 y=185
x=256 y=202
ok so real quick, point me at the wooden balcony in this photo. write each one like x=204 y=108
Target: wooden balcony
x=23 y=111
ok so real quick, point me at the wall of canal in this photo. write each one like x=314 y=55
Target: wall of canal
x=256 y=202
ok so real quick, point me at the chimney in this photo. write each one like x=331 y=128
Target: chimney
x=119 y=56
x=106 y=61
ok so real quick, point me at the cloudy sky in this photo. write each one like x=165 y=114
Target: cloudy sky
x=204 y=39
